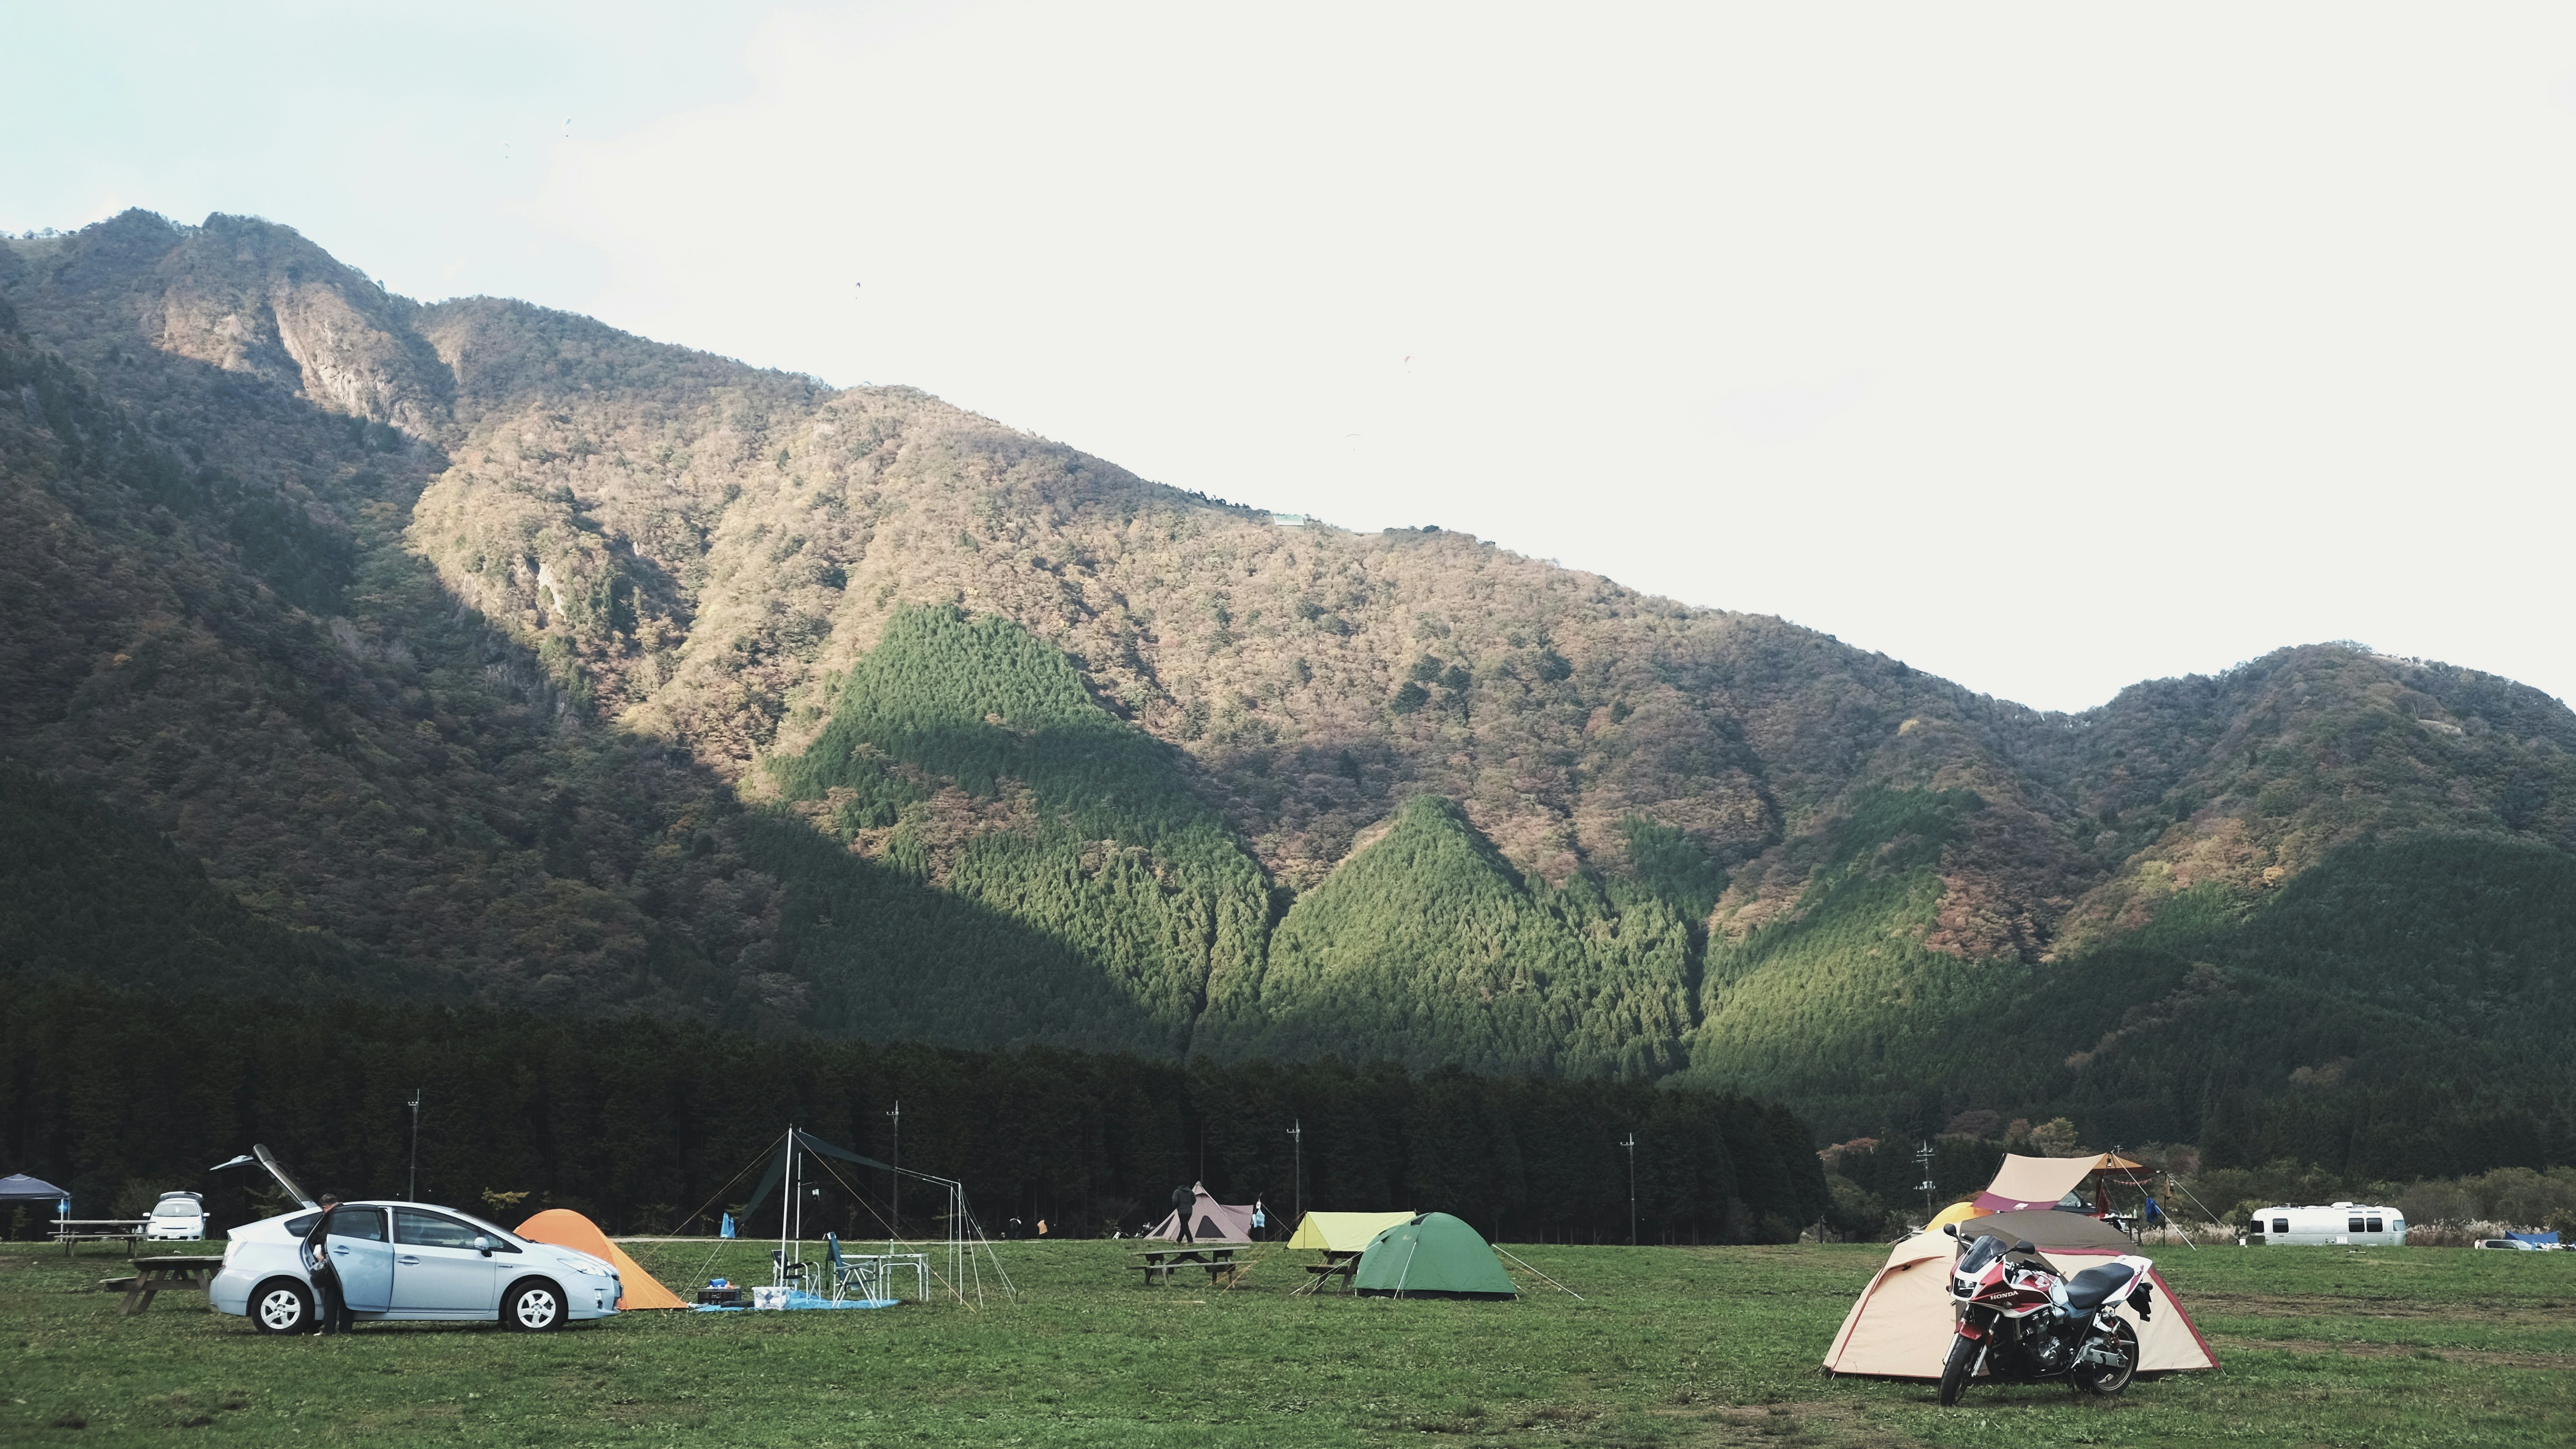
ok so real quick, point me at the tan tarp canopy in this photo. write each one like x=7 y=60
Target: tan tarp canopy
x=1902 y=1325
x=1344 y=1232
x=568 y=1229
x=2044 y=1182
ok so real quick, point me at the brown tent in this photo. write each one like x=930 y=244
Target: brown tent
x=1902 y=1325
x=1210 y=1221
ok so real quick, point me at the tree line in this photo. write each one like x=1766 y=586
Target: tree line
x=651 y=1125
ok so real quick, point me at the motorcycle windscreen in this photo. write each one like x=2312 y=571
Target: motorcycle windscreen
x=362 y=1256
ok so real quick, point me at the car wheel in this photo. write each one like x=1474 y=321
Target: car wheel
x=534 y=1306
x=281 y=1305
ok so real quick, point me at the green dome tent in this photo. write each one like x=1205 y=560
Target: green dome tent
x=1431 y=1256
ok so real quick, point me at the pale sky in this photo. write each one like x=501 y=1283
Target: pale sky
x=2048 y=348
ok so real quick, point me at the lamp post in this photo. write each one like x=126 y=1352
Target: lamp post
x=1297 y=1175
x=411 y=1185
x=1631 y=1145
x=897 y=1115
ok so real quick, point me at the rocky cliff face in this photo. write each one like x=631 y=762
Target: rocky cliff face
x=490 y=637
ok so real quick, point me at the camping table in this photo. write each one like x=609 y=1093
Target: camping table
x=70 y=1231
x=188 y=1274
x=880 y=1267
x=1217 y=1258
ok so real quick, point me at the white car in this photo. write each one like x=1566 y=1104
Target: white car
x=179 y=1217
x=407 y=1262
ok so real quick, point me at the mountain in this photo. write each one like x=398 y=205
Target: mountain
x=519 y=657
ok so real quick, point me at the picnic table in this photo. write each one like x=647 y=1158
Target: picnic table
x=188 y=1274
x=69 y=1231
x=1338 y=1263
x=1218 y=1258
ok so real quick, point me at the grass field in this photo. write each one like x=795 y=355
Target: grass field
x=1673 y=1346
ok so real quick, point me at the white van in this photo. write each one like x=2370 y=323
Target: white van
x=177 y=1217
x=2356 y=1224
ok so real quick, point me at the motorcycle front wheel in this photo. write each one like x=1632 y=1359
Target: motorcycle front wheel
x=2094 y=1378
x=1958 y=1369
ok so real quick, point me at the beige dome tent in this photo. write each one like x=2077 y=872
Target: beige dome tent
x=1902 y=1325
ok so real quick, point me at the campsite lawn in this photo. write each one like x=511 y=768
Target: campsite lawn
x=1674 y=1346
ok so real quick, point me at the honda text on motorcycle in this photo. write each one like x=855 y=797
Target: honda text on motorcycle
x=2019 y=1322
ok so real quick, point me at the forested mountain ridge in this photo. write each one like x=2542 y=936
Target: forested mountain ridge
x=602 y=673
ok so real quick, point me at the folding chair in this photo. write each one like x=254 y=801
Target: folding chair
x=845 y=1273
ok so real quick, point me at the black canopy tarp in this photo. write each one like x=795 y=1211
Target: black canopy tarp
x=19 y=1187
x=807 y=1141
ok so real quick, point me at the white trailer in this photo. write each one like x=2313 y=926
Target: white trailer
x=2352 y=1223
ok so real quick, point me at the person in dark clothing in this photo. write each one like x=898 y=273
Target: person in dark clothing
x=331 y=1306
x=1182 y=1201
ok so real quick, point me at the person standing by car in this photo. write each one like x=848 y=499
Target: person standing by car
x=331 y=1305
x=1182 y=1201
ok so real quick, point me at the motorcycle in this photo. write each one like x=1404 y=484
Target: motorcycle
x=2019 y=1322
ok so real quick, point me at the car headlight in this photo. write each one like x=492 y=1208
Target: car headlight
x=585 y=1269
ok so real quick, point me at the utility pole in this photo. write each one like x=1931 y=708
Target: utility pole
x=1631 y=1145
x=1923 y=1157
x=897 y=1115
x=411 y=1188
x=1297 y=1176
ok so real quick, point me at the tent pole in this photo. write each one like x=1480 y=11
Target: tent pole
x=787 y=1178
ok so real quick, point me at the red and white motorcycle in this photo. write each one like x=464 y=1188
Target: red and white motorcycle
x=2019 y=1322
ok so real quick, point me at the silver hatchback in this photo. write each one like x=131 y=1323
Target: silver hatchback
x=405 y=1261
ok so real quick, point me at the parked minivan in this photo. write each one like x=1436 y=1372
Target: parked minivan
x=2355 y=1224
x=402 y=1261
x=177 y=1217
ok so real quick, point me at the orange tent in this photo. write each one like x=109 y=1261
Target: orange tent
x=568 y=1229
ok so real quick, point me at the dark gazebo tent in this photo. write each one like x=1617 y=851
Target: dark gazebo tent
x=20 y=1190
x=19 y=1187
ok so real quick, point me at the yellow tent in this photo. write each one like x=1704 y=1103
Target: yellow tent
x=568 y=1229
x=1344 y=1232
x=1957 y=1212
